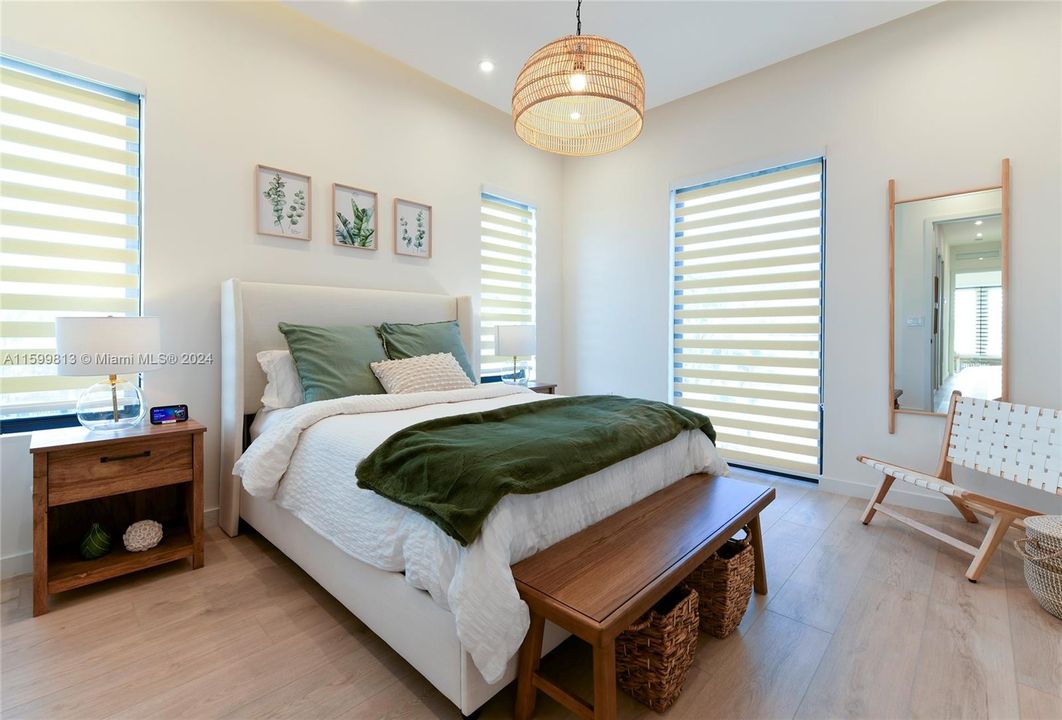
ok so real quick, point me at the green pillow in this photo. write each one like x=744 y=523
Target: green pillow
x=334 y=362
x=403 y=340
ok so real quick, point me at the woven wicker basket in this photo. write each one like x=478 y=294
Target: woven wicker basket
x=654 y=655
x=724 y=584
x=1042 y=550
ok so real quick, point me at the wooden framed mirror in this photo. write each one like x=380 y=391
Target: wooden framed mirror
x=948 y=264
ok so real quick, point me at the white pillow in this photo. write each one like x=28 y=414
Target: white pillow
x=423 y=373
x=283 y=388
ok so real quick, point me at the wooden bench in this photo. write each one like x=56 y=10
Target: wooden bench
x=596 y=583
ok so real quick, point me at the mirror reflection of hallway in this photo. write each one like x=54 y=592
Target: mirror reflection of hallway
x=948 y=299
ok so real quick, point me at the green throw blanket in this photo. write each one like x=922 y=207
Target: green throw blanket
x=454 y=470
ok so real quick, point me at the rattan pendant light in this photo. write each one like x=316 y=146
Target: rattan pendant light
x=580 y=95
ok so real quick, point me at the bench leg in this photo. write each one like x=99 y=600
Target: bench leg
x=878 y=496
x=1000 y=524
x=530 y=656
x=759 y=582
x=605 y=681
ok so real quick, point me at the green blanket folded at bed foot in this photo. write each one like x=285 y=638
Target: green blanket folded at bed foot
x=454 y=470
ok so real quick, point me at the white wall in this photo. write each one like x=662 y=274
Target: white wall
x=989 y=72
x=230 y=85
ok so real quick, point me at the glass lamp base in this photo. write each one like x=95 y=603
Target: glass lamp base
x=111 y=406
x=519 y=376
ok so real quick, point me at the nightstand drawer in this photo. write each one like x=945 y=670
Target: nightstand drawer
x=75 y=475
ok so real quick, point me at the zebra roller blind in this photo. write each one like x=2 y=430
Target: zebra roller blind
x=747 y=312
x=69 y=223
x=507 y=274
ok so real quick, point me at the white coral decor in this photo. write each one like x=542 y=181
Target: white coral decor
x=142 y=535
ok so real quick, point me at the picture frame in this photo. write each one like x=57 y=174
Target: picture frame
x=284 y=203
x=355 y=217
x=412 y=228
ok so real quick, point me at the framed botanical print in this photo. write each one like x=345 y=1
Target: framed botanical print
x=283 y=203
x=354 y=214
x=412 y=228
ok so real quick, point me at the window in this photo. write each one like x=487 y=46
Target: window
x=507 y=274
x=978 y=327
x=747 y=313
x=69 y=225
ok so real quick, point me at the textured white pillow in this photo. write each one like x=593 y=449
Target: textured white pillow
x=423 y=373
x=283 y=388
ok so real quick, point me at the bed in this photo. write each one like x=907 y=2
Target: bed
x=421 y=611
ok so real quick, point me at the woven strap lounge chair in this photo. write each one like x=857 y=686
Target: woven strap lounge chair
x=1018 y=443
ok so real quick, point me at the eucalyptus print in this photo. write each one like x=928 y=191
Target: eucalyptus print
x=412 y=229
x=407 y=239
x=276 y=196
x=297 y=208
x=283 y=203
x=418 y=242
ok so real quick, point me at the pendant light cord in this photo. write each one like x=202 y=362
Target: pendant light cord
x=578 y=18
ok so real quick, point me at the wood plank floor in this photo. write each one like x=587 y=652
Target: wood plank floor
x=869 y=622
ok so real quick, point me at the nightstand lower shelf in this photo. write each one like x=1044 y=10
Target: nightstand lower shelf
x=67 y=570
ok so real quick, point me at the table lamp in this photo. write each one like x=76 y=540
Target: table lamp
x=109 y=346
x=515 y=340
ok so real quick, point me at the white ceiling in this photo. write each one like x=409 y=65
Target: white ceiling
x=682 y=46
x=960 y=232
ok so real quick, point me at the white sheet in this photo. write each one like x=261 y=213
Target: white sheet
x=262 y=420
x=316 y=447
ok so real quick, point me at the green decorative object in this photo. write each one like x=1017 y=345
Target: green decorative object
x=357 y=230
x=276 y=197
x=96 y=543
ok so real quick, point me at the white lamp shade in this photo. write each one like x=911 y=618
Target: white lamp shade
x=106 y=345
x=514 y=340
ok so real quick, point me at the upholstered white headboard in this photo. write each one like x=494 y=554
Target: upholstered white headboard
x=250 y=312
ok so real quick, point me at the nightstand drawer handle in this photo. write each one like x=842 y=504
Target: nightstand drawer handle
x=113 y=458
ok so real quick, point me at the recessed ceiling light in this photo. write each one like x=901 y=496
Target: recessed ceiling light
x=575 y=115
x=486 y=66
x=980 y=235
x=979 y=222
x=980 y=258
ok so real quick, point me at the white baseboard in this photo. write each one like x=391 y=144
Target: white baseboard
x=22 y=563
x=18 y=564
x=898 y=495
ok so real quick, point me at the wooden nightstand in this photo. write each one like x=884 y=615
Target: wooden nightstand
x=543 y=387
x=151 y=472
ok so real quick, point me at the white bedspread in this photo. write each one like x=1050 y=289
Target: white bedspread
x=316 y=447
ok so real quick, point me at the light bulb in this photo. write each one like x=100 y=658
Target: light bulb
x=575 y=115
x=486 y=66
x=980 y=235
x=979 y=222
x=577 y=81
